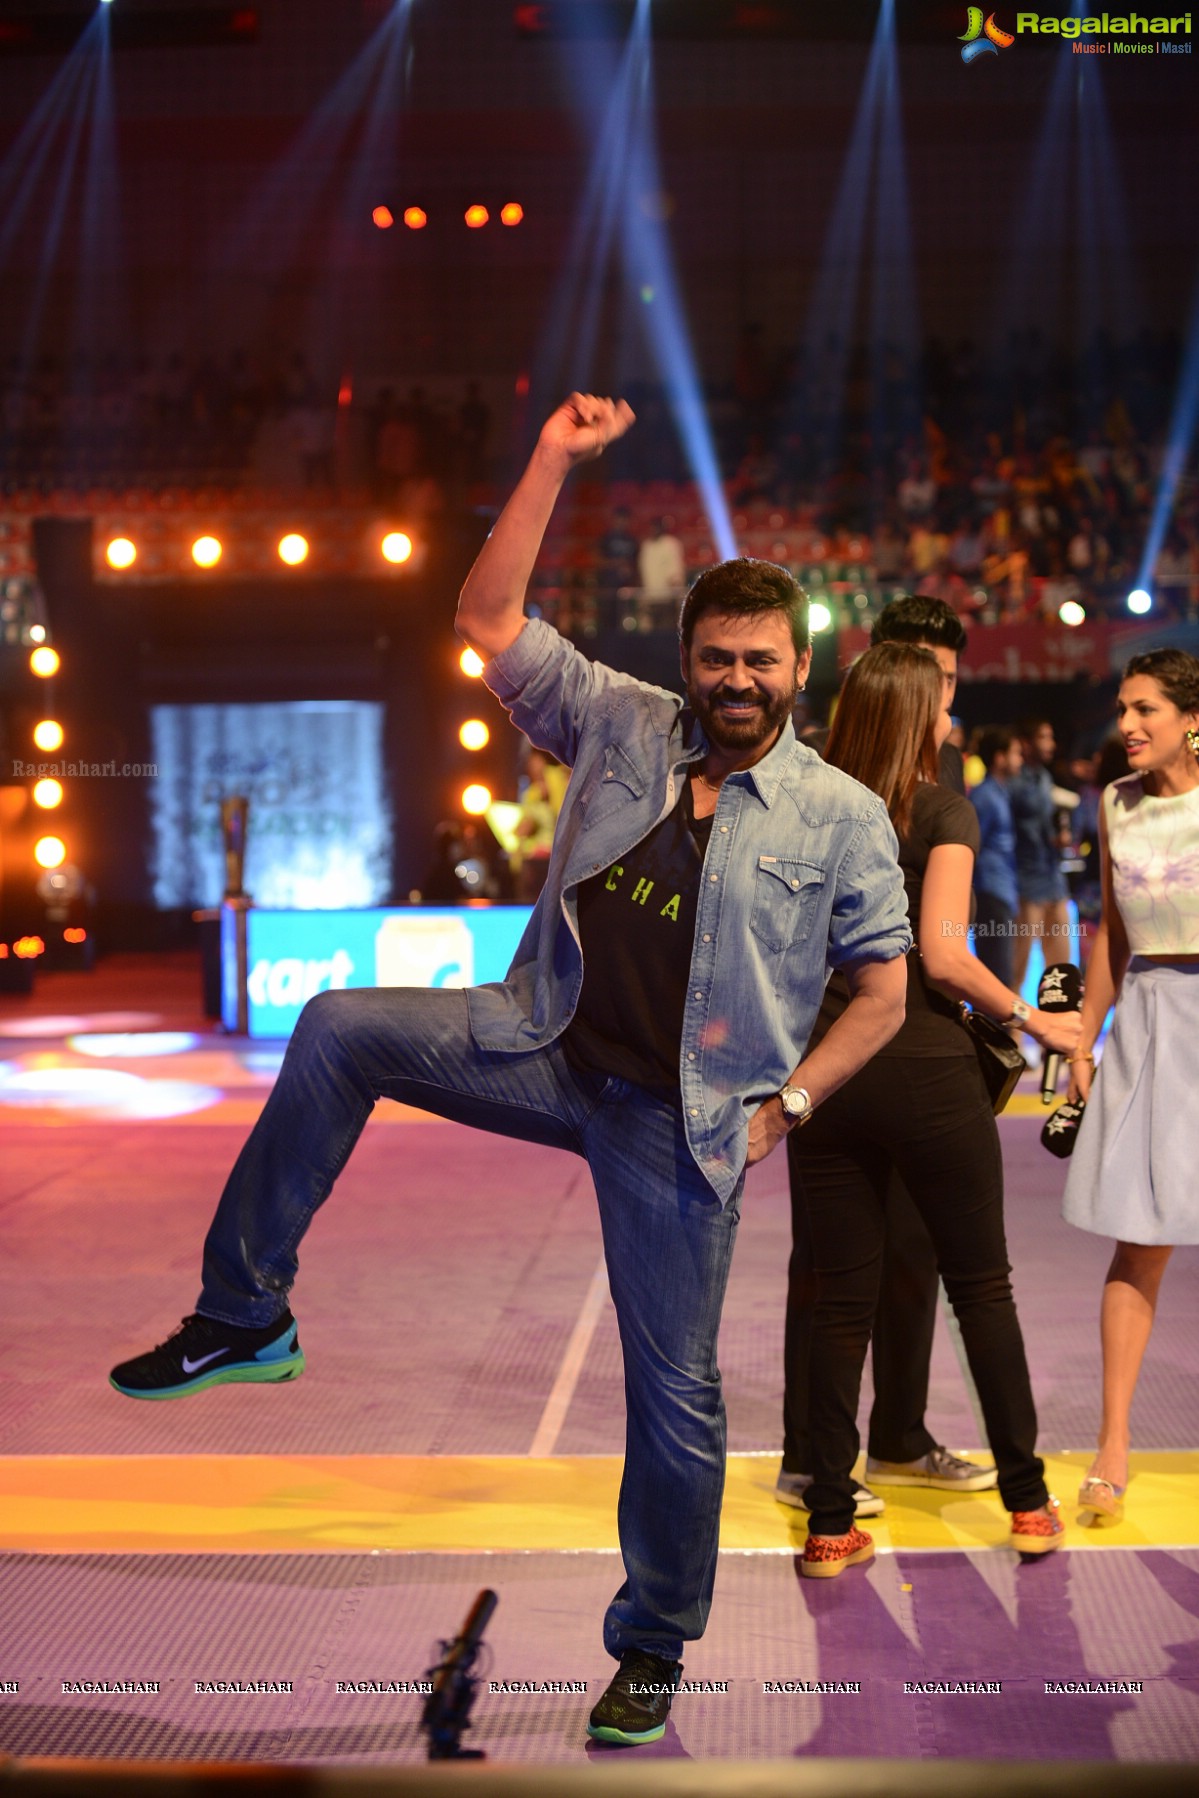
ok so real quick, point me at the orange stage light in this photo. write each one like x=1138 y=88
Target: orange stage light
x=476 y=217
x=49 y=852
x=45 y=662
x=512 y=213
x=396 y=546
x=471 y=663
x=415 y=217
x=206 y=552
x=293 y=549
x=382 y=216
x=48 y=734
x=74 y=935
x=121 y=553
x=475 y=799
x=47 y=794
x=474 y=734
x=28 y=948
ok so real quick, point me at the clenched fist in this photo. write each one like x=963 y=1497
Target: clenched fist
x=583 y=426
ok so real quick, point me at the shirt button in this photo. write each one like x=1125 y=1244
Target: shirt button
x=713 y=878
x=707 y=936
x=595 y=867
x=691 y=1055
x=795 y=883
x=694 y=1111
x=608 y=775
x=724 y=830
x=698 y=995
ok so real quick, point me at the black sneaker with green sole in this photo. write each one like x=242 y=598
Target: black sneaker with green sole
x=203 y=1352
x=637 y=1703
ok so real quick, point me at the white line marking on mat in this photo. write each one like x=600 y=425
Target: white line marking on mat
x=558 y=1403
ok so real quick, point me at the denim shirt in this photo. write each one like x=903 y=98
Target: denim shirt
x=800 y=878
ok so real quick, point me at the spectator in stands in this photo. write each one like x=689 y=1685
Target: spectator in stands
x=618 y=552
x=662 y=574
x=996 y=897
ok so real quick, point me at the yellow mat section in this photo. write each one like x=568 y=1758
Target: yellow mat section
x=204 y=1504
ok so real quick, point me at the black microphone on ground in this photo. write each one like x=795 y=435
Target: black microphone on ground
x=447 y=1707
x=1060 y=990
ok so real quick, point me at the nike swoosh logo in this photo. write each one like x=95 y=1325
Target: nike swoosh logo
x=195 y=1366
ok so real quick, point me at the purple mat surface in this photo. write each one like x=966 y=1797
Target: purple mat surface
x=318 y=1620
x=439 y=1288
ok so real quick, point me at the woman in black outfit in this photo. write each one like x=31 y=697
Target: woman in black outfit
x=920 y=1107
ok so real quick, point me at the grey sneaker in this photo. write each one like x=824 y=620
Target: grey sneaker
x=938 y=1468
x=792 y=1488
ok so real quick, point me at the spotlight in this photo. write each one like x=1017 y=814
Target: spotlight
x=45 y=662
x=293 y=549
x=471 y=663
x=121 y=553
x=512 y=213
x=416 y=218
x=206 y=552
x=48 y=734
x=474 y=734
x=49 y=852
x=1071 y=613
x=475 y=799
x=476 y=217
x=819 y=616
x=383 y=217
x=1140 y=602
x=47 y=794
x=37 y=633
x=74 y=933
x=396 y=546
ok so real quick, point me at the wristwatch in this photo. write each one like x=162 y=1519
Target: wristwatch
x=797 y=1104
x=1019 y=1013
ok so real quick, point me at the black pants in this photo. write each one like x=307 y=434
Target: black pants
x=901 y=1342
x=930 y=1122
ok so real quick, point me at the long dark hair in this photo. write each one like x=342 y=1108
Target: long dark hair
x=884 y=732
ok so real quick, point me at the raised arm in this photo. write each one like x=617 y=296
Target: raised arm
x=491 y=604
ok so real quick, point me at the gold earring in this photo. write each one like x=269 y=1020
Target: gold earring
x=1193 y=741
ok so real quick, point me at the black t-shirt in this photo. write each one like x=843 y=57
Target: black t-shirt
x=637 y=929
x=933 y=1023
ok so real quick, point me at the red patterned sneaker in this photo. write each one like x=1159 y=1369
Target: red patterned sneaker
x=1037 y=1532
x=824 y=1557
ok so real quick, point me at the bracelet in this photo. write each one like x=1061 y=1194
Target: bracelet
x=1085 y=1056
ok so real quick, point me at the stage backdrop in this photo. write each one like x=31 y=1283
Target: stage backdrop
x=320 y=834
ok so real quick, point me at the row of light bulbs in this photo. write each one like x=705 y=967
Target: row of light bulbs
x=292 y=549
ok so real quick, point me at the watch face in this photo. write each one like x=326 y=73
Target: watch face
x=795 y=1102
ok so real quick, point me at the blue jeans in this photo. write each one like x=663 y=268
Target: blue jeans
x=667 y=1241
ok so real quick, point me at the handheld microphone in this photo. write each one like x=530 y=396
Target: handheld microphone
x=1060 y=989
x=1059 y=1133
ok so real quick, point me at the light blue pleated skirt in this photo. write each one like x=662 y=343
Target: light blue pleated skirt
x=1134 y=1174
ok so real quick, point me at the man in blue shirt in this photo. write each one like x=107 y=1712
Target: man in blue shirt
x=996 y=897
x=707 y=873
x=1040 y=842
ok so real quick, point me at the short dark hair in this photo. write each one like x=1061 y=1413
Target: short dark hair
x=917 y=618
x=993 y=740
x=1176 y=673
x=746 y=587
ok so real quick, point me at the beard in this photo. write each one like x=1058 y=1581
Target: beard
x=742 y=731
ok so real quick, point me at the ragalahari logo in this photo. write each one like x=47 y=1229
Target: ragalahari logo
x=983 y=38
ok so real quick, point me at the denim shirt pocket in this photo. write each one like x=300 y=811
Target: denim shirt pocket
x=787 y=894
x=613 y=784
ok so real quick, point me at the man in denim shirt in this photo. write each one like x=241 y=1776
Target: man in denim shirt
x=712 y=871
